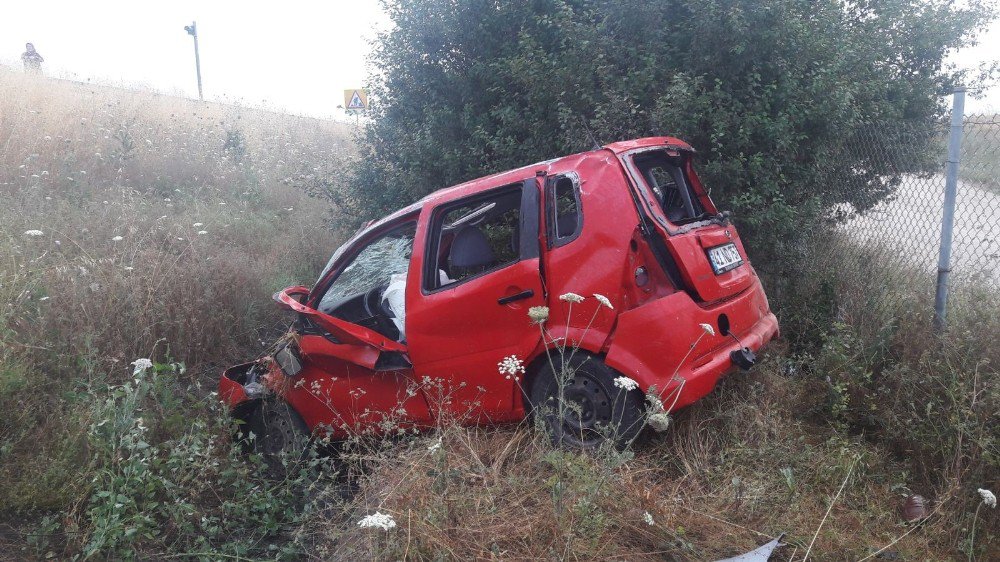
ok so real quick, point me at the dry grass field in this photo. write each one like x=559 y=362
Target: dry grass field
x=134 y=225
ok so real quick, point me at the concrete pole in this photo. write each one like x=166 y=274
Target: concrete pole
x=948 y=219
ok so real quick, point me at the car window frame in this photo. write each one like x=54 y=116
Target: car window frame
x=551 y=210
x=528 y=221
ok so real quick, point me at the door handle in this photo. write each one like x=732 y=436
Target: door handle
x=526 y=294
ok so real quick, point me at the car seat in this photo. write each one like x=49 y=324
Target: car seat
x=470 y=250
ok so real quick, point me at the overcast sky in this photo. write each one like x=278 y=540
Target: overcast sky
x=298 y=56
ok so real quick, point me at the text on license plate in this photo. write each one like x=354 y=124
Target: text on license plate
x=724 y=258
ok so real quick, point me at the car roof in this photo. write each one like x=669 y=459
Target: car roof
x=484 y=183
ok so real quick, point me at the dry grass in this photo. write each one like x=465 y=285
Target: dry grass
x=167 y=224
x=734 y=472
x=765 y=454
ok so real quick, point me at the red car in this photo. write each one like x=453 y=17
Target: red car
x=638 y=288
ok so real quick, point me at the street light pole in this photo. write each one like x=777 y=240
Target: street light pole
x=193 y=31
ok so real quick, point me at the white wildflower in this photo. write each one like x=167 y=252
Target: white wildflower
x=378 y=519
x=435 y=447
x=538 y=314
x=33 y=233
x=141 y=365
x=626 y=383
x=510 y=366
x=988 y=497
x=648 y=518
x=708 y=329
x=603 y=300
x=655 y=404
x=197 y=224
x=202 y=232
x=571 y=297
x=43 y=299
x=117 y=239
x=129 y=268
x=659 y=422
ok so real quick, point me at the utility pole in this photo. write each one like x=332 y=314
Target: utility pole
x=193 y=32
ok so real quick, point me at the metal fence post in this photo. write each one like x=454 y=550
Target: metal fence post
x=948 y=219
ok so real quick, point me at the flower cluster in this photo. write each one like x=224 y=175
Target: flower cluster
x=659 y=422
x=626 y=383
x=33 y=233
x=510 y=366
x=141 y=365
x=571 y=297
x=603 y=300
x=988 y=497
x=378 y=519
x=648 y=518
x=538 y=314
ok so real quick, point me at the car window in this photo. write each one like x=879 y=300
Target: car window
x=371 y=267
x=474 y=236
x=564 y=216
x=664 y=176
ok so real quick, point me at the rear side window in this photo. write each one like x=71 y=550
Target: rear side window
x=663 y=174
x=565 y=218
x=474 y=237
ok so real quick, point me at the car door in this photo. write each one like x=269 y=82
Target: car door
x=467 y=303
x=349 y=371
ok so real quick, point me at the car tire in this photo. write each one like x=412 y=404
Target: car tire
x=280 y=435
x=593 y=411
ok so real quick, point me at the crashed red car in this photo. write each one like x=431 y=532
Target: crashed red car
x=411 y=318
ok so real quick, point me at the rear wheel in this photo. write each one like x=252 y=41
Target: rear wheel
x=279 y=434
x=581 y=406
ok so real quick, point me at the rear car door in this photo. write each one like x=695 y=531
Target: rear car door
x=467 y=306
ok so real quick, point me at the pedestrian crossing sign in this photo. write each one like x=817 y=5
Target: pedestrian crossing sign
x=355 y=100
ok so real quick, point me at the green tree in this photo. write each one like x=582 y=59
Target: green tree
x=772 y=93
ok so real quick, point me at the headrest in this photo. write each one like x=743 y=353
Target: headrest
x=470 y=249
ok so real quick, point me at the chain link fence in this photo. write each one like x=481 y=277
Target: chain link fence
x=899 y=235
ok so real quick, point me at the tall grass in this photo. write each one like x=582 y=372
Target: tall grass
x=166 y=224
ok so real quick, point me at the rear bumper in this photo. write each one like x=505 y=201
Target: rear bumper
x=652 y=343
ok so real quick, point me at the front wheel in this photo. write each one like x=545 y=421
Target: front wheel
x=279 y=433
x=581 y=406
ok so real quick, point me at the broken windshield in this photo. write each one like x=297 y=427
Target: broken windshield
x=372 y=266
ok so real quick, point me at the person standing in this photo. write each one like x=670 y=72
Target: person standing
x=32 y=60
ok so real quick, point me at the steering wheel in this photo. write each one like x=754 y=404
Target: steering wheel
x=373 y=301
x=379 y=311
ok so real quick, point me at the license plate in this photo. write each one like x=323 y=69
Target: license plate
x=724 y=258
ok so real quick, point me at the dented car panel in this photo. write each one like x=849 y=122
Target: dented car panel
x=651 y=340
x=630 y=223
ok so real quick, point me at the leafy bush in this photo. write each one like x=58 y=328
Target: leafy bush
x=772 y=93
x=157 y=488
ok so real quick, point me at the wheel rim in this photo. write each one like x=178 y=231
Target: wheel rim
x=280 y=435
x=588 y=410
